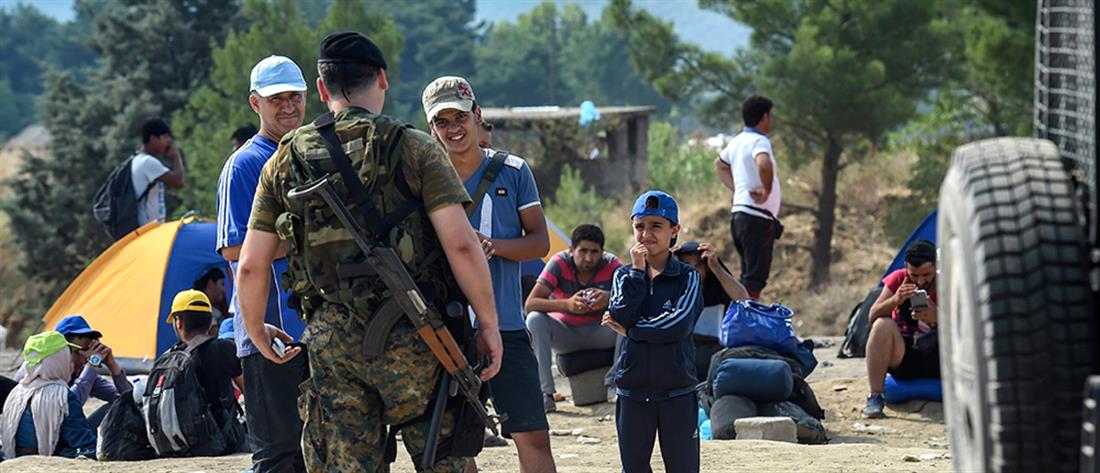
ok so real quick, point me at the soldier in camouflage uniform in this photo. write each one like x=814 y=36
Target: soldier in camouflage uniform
x=351 y=399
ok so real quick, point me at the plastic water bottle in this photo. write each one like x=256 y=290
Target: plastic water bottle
x=95 y=360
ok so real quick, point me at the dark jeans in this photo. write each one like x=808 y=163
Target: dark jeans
x=754 y=238
x=271 y=410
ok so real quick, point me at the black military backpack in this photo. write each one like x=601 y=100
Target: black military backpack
x=116 y=206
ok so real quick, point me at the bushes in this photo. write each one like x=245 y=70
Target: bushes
x=677 y=167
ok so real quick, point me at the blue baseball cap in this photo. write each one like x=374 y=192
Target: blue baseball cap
x=225 y=330
x=76 y=325
x=275 y=75
x=656 y=204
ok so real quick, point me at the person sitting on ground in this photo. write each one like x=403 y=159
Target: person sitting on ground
x=212 y=283
x=84 y=380
x=216 y=364
x=565 y=306
x=902 y=340
x=42 y=416
x=720 y=289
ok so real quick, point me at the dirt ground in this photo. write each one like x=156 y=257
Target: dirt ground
x=912 y=439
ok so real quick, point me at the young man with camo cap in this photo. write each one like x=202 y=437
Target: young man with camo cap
x=510 y=223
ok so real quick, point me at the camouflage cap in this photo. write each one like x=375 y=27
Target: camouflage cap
x=448 y=92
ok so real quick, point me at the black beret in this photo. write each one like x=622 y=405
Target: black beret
x=349 y=46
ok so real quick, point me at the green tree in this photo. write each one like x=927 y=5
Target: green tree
x=840 y=73
x=30 y=41
x=94 y=120
x=440 y=37
x=553 y=56
x=216 y=109
x=990 y=94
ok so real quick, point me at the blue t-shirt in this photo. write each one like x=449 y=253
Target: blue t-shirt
x=497 y=216
x=236 y=189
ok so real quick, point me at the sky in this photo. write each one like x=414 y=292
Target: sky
x=710 y=30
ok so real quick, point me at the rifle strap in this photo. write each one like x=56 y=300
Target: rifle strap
x=495 y=165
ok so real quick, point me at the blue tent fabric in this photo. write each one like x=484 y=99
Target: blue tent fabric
x=925 y=231
x=192 y=255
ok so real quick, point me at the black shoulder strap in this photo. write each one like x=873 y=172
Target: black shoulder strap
x=495 y=165
x=325 y=125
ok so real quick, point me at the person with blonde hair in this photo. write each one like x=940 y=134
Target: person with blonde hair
x=41 y=415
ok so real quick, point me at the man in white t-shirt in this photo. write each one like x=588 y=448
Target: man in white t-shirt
x=150 y=175
x=747 y=167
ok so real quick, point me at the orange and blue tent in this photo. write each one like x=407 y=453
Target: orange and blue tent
x=126 y=293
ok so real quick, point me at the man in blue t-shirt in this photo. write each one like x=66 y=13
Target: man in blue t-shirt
x=278 y=96
x=512 y=228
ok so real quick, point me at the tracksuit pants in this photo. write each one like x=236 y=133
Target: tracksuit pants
x=673 y=421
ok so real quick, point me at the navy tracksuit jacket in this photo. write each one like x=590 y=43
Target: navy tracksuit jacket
x=655 y=379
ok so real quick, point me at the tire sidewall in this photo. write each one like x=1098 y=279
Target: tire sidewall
x=960 y=328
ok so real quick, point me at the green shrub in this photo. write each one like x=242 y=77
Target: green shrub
x=676 y=166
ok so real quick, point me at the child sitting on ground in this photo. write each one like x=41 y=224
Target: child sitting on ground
x=655 y=303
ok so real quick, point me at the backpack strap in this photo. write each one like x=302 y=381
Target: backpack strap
x=495 y=165
x=326 y=127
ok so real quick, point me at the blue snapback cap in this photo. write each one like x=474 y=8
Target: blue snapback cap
x=76 y=325
x=275 y=75
x=656 y=204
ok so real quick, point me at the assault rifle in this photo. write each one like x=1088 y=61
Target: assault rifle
x=403 y=290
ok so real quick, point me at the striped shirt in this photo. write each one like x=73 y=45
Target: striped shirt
x=560 y=276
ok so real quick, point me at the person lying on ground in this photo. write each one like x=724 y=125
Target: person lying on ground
x=42 y=416
x=903 y=320
x=565 y=306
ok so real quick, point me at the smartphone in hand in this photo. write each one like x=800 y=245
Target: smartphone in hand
x=919 y=301
x=279 y=347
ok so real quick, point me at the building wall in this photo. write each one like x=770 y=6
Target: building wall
x=621 y=167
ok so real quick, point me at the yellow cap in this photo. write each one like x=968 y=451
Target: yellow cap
x=189 y=300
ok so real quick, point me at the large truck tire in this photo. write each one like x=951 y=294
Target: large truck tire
x=1015 y=311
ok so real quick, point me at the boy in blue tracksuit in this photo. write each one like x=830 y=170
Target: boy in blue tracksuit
x=654 y=305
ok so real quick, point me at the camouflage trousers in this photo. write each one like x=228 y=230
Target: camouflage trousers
x=349 y=400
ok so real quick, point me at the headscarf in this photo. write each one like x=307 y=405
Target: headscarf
x=45 y=391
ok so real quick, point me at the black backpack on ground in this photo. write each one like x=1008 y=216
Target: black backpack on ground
x=116 y=206
x=177 y=420
x=122 y=434
x=855 y=337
